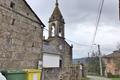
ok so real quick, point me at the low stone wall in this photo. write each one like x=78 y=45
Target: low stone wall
x=51 y=74
x=72 y=72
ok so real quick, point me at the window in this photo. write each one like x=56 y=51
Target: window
x=27 y=14
x=33 y=44
x=12 y=5
x=13 y=22
x=116 y=71
x=60 y=63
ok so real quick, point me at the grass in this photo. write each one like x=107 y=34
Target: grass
x=84 y=79
x=115 y=78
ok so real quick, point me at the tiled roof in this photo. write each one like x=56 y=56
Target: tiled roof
x=114 y=54
x=49 y=49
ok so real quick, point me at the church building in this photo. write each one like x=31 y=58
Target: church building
x=62 y=51
x=57 y=37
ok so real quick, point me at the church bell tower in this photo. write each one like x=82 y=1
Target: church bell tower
x=56 y=23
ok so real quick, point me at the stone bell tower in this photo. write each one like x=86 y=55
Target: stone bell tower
x=56 y=23
x=56 y=39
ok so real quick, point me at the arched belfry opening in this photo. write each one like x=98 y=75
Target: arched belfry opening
x=53 y=30
x=60 y=32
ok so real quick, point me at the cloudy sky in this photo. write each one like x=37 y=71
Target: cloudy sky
x=80 y=17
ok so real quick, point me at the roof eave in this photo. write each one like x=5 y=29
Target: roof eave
x=34 y=14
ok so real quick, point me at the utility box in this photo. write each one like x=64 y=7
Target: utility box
x=14 y=74
x=33 y=74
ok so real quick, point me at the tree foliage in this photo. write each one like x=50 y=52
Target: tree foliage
x=94 y=66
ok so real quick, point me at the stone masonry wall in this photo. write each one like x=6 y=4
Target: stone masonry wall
x=71 y=72
x=67 y=55
x=20 y=36
x=66 y=51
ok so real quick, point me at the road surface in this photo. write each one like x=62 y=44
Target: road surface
x=97 y=78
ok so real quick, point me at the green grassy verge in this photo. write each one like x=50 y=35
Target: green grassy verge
x=84 y=79
x=115 y=78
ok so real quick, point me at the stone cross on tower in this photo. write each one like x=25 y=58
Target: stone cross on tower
x=56 y=2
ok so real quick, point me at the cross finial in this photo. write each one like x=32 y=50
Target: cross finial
x=56 y=2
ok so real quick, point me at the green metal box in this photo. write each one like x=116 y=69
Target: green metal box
x=15 y=75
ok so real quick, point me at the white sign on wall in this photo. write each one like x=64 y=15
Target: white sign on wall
x=51 y=60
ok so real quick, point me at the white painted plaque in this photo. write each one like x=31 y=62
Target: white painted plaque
x=51 y=60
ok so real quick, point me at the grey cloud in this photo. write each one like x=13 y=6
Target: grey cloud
x=80 y=15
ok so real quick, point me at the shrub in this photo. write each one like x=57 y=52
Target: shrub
x=109 y=75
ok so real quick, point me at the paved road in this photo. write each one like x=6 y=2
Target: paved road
x=97 y=78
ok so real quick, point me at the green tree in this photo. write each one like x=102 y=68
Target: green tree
x=94 y=66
